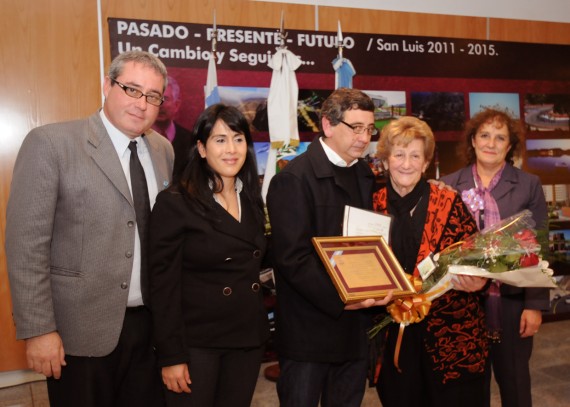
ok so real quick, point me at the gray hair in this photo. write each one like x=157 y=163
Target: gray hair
x=139 y=57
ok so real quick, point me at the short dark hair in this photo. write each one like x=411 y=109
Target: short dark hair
x=488 y=116
x=198 y=180
x=344 y=99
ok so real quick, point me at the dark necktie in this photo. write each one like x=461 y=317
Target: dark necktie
x=142 y=210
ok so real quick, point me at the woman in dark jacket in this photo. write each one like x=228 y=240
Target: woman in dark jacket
x=206 y=246
x=513 y=314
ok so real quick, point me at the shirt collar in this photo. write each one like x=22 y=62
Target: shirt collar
x=119 y=139
x=333 y=156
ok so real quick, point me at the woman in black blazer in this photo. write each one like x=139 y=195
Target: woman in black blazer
x=206 y=246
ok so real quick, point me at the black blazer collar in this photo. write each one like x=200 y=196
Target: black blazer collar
x=247 y=230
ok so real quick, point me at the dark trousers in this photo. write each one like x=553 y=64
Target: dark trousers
x=510 y=358
x=334 y=384
x=126 y=377
x=416 y=384
x=220 y=378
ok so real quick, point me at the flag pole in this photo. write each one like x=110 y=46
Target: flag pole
x=214 y=38
x=282 y=33
x=340 y=41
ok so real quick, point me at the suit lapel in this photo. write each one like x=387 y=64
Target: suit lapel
x=246 y=230
x=507 y=183
x=465 y=179
x=105 y=156
x=159 y=164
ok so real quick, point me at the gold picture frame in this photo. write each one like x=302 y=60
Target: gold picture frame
x=362 y=267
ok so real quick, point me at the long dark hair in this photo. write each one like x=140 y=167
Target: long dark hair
x=197 y=176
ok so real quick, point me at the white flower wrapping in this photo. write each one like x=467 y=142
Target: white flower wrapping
x=538 y=276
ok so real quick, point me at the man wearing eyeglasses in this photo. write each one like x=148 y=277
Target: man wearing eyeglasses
x=321 y=342
x=75 y=243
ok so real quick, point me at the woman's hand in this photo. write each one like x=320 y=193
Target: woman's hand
x=469 y=283
x=370 y=302
x=441 y=185
x=177 y=378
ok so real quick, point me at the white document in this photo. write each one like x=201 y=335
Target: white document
x=362 y=222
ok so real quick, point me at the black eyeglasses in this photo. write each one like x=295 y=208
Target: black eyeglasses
x=359 y=129
x=137 y=94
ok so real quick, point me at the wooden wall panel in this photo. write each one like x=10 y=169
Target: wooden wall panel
x=49 y=66
x=49 y=59
x=529 y=31
x=398 y=23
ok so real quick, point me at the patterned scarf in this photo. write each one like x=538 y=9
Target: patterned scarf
x=484 y=209
x=480 y=202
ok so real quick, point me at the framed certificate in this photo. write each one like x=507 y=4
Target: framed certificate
x=362 y=267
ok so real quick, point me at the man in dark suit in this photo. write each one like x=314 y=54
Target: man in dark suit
x=321 y=342
x=178 y=135
x=73 y=243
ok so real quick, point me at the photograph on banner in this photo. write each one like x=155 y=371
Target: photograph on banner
x=442 y=111
x=389 y=105
x=547 y=113
x=549 y=158
x=506 y=102
x=559 y=244
x=252 y=102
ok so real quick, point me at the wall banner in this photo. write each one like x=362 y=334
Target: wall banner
x=247 y=48
x=444 y=81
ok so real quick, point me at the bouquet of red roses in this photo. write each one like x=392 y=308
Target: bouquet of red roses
x=507 y=251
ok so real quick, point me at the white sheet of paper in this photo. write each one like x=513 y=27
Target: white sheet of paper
x=362 y=222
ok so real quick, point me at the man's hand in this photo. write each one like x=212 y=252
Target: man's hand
x=530 y=322
x=45 y=354
x=177 y=378
x=370 y=302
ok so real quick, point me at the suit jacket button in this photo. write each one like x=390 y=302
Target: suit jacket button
x=124 y=286
x=227 y=291
x=256 y=254
x=255 y=287
x=129 y=254
x=130 y=223
x=227 y=259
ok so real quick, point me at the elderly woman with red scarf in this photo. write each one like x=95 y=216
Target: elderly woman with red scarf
x=441 y=360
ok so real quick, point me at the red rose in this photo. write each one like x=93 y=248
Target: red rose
x=526 y=238
x=529 y=260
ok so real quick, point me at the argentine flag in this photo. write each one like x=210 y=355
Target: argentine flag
x=211 y=94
